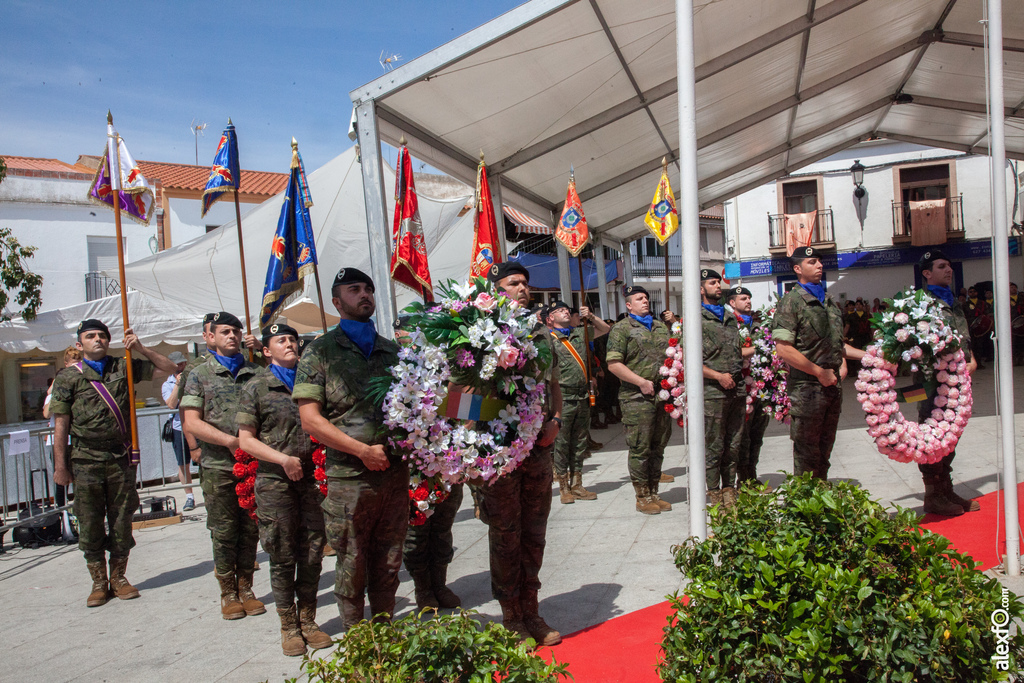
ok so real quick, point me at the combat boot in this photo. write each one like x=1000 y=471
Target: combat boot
x=597 y=423
x=663 y=505
x=715 y=497
x=424 y=592
x=666 y=478
x=250 y=604
x=292 y=644
x=311 y=633
x=729 y=496
x=118 y=584
x=644 y=503
x=564 y=493
x=535 y=624
x=446 y=597
x=593 y=445
x=512 y=618
x=100 y=587
x=937 y=504
x=230 y=606
x=577 y=490
x=950 y=495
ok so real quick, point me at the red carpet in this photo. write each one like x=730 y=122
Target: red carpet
x=628 y=648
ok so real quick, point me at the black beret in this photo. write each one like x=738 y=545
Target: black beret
x=93 y=324
x=805 y=252
x=225 y=318
x=208 y=318
x=929 y=257
x=709 y=274
x=500 y=271
x=634 y=289
x=278 y=330
x=738 y=290
x=555 y=305
x=349 y=276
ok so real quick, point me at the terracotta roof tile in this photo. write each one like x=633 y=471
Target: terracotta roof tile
x=716 y=211
x=189 y=177
x=44 y=168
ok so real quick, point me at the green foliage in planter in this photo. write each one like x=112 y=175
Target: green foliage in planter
x=422 y=648
x=817 y=582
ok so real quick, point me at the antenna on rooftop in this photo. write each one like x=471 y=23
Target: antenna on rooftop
x=197 y=130
x=387 y=60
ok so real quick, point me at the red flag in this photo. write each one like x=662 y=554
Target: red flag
x=408 y=249
x=485 y=232
x=572 y=229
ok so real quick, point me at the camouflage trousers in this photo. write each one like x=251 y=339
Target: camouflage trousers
x=571 y=442
x=430 y=544
x=515 y=508
x=291 y=525
x=814 y=420
x=648 y=429
x=366 y=520
x=750 y=446
x=233 y=532
x=105 y=502
x=723 y=432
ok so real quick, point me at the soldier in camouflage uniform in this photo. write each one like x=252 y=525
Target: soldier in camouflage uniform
x=288 y=498
x=757 y=419
x=100 y=466
x=367 y=504
x=939 y=496
x=808 y=332
x=515 y=507
x=571 y=443
x=210 y=409
x=636 y=350
x=725 y=401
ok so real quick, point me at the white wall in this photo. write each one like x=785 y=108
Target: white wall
x=187 y=223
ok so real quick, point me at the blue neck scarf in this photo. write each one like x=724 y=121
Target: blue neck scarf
x=944 y=293
x=286 y=375
x=97 y=365
x=564 y=330
x=817 y=291
x=363 y=335
x=232 y=363
x=647 y=320
x=717 y=311
x=747 y=319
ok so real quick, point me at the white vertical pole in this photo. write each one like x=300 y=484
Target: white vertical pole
x=689 y=208
x=602 y=281
x=499 y=213
x=627 y=262
x=1001 y=259
x=564 y=278
x=377 y=230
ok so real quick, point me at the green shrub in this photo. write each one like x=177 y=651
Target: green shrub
x=419 y=648
x=817 y=582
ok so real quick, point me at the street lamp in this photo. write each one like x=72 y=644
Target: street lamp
x=857 y=171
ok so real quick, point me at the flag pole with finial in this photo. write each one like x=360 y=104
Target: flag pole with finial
x=316 y=269
x=241 y=256
x=114 y=157
x=583 y=291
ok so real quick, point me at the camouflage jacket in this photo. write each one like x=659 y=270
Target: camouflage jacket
x=191 y=365
x=721 y=342
x=95 y=434
x=266 y=405
x=211 y=388
x=572 y=379
x=641 y=351
x=334 y=373
x=814 y=329
x=956 y=318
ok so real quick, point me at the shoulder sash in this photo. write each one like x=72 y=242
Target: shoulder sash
x=111 y=404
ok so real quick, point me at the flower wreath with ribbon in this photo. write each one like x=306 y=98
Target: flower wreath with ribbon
x=466 y=399
x=768 y=379
x=913 y=331
x=673 y=391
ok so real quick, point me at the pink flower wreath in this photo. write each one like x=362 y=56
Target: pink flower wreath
x=905 y=440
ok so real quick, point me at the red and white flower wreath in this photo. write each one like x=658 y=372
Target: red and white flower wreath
x=246 y=467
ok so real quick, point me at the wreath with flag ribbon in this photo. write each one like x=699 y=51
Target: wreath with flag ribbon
x=913 y=332
x=673 y=391
x=480 y=340
x=769 y=375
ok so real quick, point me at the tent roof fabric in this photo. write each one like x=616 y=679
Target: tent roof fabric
x=780 y=85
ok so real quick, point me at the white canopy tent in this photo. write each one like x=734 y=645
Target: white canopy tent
x=734 y=92
x=204 y=274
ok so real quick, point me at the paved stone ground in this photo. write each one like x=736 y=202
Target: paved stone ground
x=603 y=559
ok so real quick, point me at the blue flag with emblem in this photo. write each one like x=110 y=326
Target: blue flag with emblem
x=224 y=174
x=293 y=250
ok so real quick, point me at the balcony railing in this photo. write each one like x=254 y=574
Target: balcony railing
x=654 y=266
x=822 y=234
x=98 y=286
x=901 y=219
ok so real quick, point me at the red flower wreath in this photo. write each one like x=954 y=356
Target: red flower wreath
x=245 y=470
x=319 y=460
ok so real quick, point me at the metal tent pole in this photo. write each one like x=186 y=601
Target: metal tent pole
x=1001 y=259
x=564 y=276
x=690 y=232
x=602 y=280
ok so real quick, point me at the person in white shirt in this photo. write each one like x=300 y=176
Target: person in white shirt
x=168 y=391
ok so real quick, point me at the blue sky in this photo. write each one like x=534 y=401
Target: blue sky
x=278 y=69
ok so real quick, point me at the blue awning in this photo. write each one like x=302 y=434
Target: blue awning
x=544 y=271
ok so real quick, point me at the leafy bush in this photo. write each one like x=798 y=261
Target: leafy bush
x=419 y=648
x=816 y=582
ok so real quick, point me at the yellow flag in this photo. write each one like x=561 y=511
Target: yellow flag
x=662 y=218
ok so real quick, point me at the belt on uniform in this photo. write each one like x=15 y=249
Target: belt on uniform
x=110 y=446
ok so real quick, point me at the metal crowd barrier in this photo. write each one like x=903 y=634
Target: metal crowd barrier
x=19 y=488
